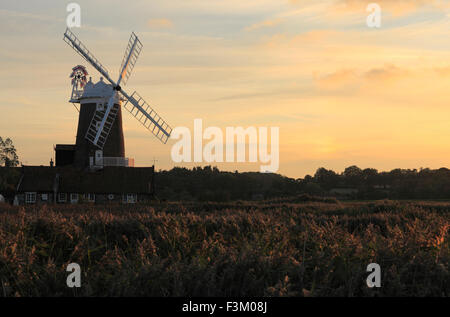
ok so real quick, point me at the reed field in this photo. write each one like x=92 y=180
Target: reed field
x=283 y=247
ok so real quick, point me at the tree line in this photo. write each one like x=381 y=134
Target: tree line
x=208 y=183
x=398 y=183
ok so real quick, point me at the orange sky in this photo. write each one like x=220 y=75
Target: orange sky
x=340 y=92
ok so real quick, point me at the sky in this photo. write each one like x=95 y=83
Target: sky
x=340 y=92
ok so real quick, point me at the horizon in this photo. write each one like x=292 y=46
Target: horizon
x=341 y=93
x=340 y=172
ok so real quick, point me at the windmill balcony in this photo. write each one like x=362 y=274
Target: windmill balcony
x=115 y=161
x=76 y=95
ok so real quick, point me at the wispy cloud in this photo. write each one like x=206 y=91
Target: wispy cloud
x=386 y=73
x=160 y=23
x=337 y=79
x=263 y=24
x=395 y=7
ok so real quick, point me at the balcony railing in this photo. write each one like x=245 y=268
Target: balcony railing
x=76 y=95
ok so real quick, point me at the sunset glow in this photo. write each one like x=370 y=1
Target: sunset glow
x=341 y=93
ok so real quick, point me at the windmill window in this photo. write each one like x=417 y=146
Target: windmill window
x=100 y=106
x=110 y=196
x=30 y=198
x=89 y=197
x=130 y=198
x=73 y=198
x=44 y=197
x=99 y=157
x=62 y=197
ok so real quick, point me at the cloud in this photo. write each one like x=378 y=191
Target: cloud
x=337 y=9
x=395 y=7
x=30 y=16
x=160 y=23
x=386 y=73
x=314 y=36
x=301 y=41
x=442 y=71
x=337 y=79
x=263 y=24
x=351 y=79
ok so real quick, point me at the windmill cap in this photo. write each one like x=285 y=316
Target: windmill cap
x=97 y=90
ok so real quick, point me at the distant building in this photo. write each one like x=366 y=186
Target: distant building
x=69 y=185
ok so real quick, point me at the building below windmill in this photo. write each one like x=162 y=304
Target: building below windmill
x=70 y=185
x=83 y=173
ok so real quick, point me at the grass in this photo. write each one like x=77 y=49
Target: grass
x=271 y=248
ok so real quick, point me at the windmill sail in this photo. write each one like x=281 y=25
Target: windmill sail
x=98 y=130
x=104 y=125
x=76 y=44
x=103 y=121
x=148 y=117
x=129 y=59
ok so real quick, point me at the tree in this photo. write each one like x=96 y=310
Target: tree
x=352 y=171
x=353 y=176
x=326 y=178
x=8 y=153
x=9 y=178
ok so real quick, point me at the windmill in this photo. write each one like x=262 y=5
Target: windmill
x=105 y=127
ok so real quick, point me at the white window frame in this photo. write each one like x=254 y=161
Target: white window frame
x=74 y=197
x=130 y=198
x=100 y=106
x=30 y=197
x=98 y=157
x=44 y=197
x=89 y=197
x=61 y=199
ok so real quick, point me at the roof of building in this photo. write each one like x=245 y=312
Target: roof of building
x=65 y=147
x=99 y=90
x=68 y=179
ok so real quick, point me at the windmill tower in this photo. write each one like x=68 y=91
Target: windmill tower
x=100 y=140
x=93 y=103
